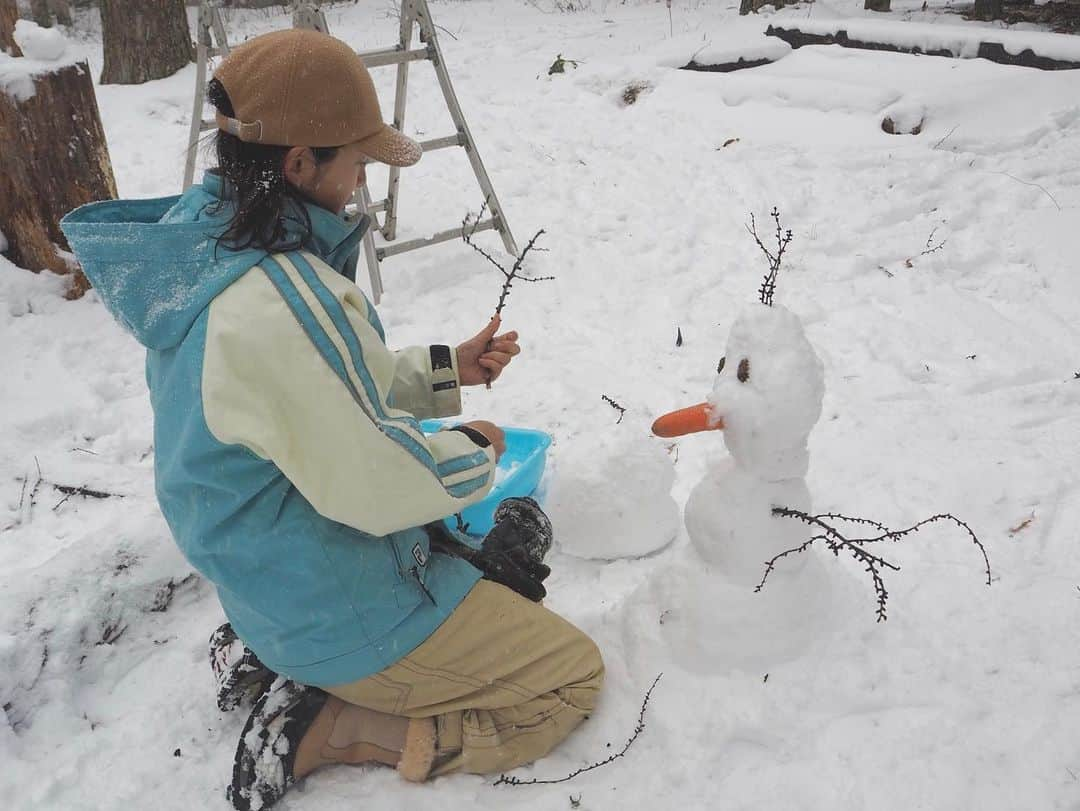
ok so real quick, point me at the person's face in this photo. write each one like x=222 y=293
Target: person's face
x=330 y=184
x=335 y=181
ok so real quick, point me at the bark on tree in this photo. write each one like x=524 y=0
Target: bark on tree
x=62 y=10
x=55 y=159
x=39 y=12
x=144 y=41
x=9 y=15
x=878 y=5
x=988 y=10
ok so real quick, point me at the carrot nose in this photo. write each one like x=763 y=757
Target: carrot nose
x=689 y=420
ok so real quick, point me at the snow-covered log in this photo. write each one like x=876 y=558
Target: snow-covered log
x=1034 y=49
x=55 y=156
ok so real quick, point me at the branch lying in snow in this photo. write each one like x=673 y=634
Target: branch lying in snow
x=929 y=249
x=835 y=541
x=1028 y=183
x=768 y=287
x=505 y=780
x=616 y=406
x=68 y=490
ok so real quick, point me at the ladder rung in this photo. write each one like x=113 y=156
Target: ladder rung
x=392 y=56
x=442 y=143
x=378 y=205
x=442 y=236
x=206 y=126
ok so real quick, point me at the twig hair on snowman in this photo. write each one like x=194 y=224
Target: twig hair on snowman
x=766 y=399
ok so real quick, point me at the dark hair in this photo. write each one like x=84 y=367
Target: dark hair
x=264 y=199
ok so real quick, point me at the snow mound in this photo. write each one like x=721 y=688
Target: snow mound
x=612 y=499
x=42 y=44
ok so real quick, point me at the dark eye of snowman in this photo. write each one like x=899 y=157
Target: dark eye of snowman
x=744 y=370
x=720 y=365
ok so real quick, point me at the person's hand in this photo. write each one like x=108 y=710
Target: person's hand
x=482 y=358
x=493 y=433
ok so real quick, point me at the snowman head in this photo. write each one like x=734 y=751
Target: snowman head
x=768 y=393
x=767 y=396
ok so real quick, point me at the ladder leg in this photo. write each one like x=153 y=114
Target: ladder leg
x=389 y=229
x=371 y=256
x=427 y=29
x=203 y=43
x=196 y=114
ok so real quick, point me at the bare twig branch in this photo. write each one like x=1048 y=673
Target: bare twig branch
x=616 y=406
x=510 y=780
x=85 y=492
x=509 y=276
x=1029 y=183
x=946 y=138
x=930 y=247
x=768 y=286
x=836 y=541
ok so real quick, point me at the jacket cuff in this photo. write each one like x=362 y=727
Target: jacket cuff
x=445 y=383
x=473 y=434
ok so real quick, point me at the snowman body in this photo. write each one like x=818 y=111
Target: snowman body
x=768 y=393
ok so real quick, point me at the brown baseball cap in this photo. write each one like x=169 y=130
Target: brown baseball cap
x=303 y=88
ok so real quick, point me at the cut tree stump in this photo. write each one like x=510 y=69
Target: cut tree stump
x=55 y=159
x=9 y=15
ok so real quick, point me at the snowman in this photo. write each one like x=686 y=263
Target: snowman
x=765 y=401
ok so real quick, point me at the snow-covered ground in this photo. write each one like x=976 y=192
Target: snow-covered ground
x=950 y=385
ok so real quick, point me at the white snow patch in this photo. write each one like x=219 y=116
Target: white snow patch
x=611 y=499
x=42 y=44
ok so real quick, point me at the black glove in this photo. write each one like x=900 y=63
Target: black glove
x=511 y=553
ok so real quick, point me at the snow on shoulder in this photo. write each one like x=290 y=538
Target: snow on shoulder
x=44 y=51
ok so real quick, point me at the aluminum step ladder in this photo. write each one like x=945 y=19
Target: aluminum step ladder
x=212 y=41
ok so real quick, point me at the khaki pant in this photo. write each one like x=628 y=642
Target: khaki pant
x=505 y=679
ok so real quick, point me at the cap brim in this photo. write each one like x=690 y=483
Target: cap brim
x=390 y=146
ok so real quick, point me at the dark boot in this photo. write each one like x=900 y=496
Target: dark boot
x=266 y=754
x=238 y=672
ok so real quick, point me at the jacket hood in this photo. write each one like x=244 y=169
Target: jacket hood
x=157 y=263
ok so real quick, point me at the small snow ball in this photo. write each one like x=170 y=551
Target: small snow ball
x=611 y=498
x=44 y=44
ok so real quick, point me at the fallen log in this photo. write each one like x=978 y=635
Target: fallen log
x=950 y=42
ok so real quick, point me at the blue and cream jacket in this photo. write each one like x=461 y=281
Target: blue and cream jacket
x=289 y=462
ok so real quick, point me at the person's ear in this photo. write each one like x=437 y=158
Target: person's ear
x=299 y=167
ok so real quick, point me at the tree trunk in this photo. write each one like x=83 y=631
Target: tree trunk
x=39 y=11
x=55 y=159
x=143 y=41
x=62 y=10
x=988 y=10
x=878 y=5
x=9 y=15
